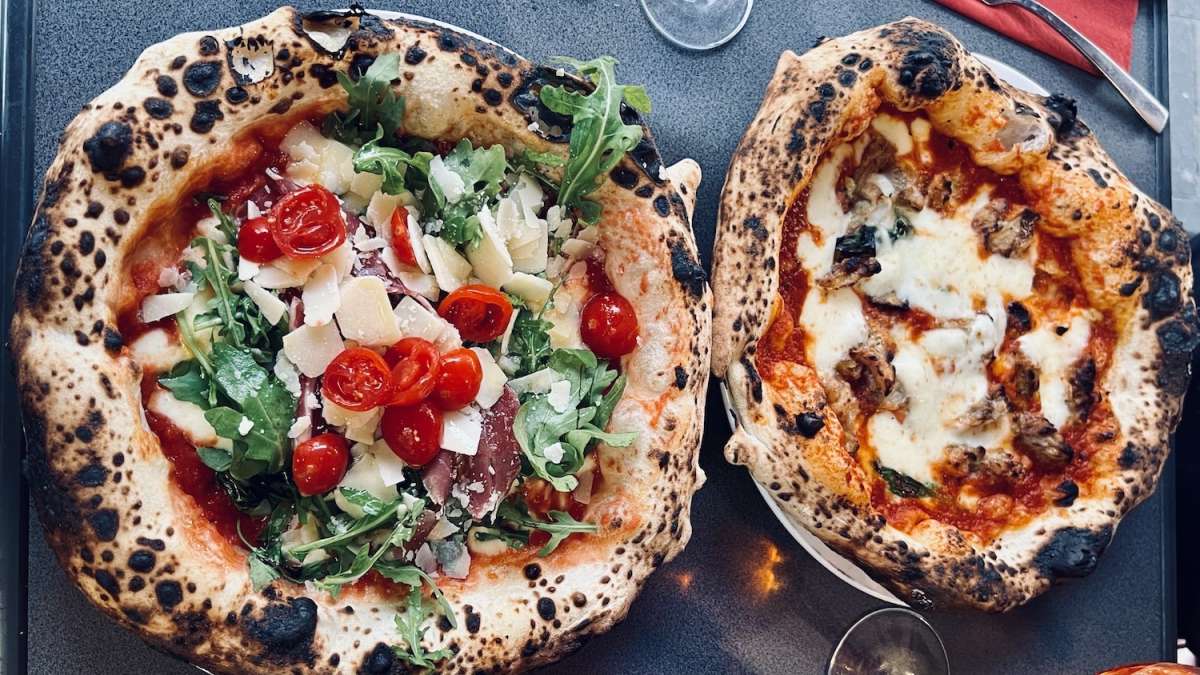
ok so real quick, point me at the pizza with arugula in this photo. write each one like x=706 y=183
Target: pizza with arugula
x=356 y=344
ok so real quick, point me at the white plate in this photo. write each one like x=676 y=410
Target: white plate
x=842 y=567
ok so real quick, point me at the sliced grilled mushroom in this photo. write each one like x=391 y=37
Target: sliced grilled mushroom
x=1004 y=233
x=1037 y=437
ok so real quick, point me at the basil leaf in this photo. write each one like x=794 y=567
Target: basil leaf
x=215 y=458
x=599 y=137
x=372 y=104
x=901 y=484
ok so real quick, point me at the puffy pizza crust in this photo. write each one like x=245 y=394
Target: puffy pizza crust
x=131 y=540
x=1131 y=252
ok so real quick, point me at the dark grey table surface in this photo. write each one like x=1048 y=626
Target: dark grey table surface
x=743 y=597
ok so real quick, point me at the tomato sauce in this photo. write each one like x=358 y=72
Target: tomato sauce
x=1057 y=287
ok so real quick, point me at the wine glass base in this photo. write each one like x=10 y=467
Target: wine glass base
x=698 y=25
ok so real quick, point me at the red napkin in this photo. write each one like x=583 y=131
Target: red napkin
x=1107 y=23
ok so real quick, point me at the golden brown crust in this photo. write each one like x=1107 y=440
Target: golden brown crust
x=99 y=479
x=1130 y=252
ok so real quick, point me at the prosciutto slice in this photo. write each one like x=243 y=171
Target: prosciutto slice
x=485 y=477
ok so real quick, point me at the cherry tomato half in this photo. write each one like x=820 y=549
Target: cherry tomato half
x=401 y=244
x=319 y=463
x=308 y=223
x=357 y=379
x=459 y=380
x=608 y=325
x=479 y=312
x=255 y=241
x=415 y=366
x=413 y=432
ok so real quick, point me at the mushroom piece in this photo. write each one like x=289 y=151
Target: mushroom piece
x=1037 y=437
x=869 y=370
x=1083 y=387
x=849 y=271
x=1000 y=463
x=1004 y=234
x=982 y=413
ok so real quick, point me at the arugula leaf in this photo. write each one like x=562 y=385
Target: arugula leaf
x=215 y=458
x=261 y=573
x=532 y=157
x=370 y=504
x=599 y=137
x=354 y=528
x=411 y=627
x=217 y=274
x=482 y=169
x=188 y=382
x=391 y=163
x=562 y=525
x=903 y=485
x=224 y=223
x=263 y=400
x=530 y=342
x=372 y=103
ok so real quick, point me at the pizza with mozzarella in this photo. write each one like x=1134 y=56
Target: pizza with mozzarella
x=352 y=344
x=955 y=336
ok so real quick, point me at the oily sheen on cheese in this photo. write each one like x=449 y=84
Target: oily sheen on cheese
x=1055 y=355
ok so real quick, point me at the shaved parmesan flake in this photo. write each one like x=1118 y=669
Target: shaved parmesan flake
x=450 y=268
x=321 y=296
x=211 y=227
x=554 y=452
x=424 y=285
x=268 y=303
x=416 y=321
x=577 y=248
x=311 y=348
x=299 y=535
x=461 y=430
x=359 y=426
x=443 y=529
x=157 y=350
x=342 y=258
x=365 y=314
x=273 y=277
x=489 y=257
x=563 y=316
x=535 y=291
x=247 y=269
x=391 y=467
x=379 y=211
x=560 y=396
x=538 y=382
x=491 y=388
x=450 y=183
x=365 y=185
x=512 y=321
x=299 y=426
x=363 y=475
x=414 y=239
x=160 y=306
x=168 y=276
x=245 y=426
x=558 y=224
x=286 y=371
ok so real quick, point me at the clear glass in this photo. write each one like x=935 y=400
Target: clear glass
x=698 y=24
x=890 y=641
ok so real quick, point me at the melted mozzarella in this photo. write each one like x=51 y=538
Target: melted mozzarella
x=938 y=268
x=895 y=131
x=186 y=416
x=156 y=350
x=834 y=323
x=1054 y=355
x=943 y=374
x=825 y=215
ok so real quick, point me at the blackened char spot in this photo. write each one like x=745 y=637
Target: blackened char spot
x=236 y=95
x=206 y=115
x=662 y=205
x=108 y=582
x=527 y=99
x=326 y=76
x=359 y=65
x=113 y=340
x=166 y=86
x=809 y=424
x=686 y=268
x=1129 y=456
x=208 y=45
x=1168 y=239
x=624 y=177
x=1063 y=115
x=473 y=621
x=929 y=67
x=158 y=108
x=414 y=55
x=132 y=176
x=533 y=571
x=546 y=609
x=105 y=523
x=202 y=78
x=1068 y=491
x=286 y=628
x=493 y=97
x=1163 y=297
x=1097 y=178
x=681 y=377
x=169 y=594
x=816 y=110
x=142 y=560
x=1178 y=339
x=92 y=475
x=1072 y=552
x=756 y=385
x=109 y=146
x=379 y=660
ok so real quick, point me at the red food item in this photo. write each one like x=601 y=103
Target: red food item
x=541 y=498
x=307 y=223
x=608 y=325
x=479 y=312
x=459 y=381
x=401 y=244
x=357 y=379
x=255 y=241
x=413 y=432
x=415 y=365
x=319 y=463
